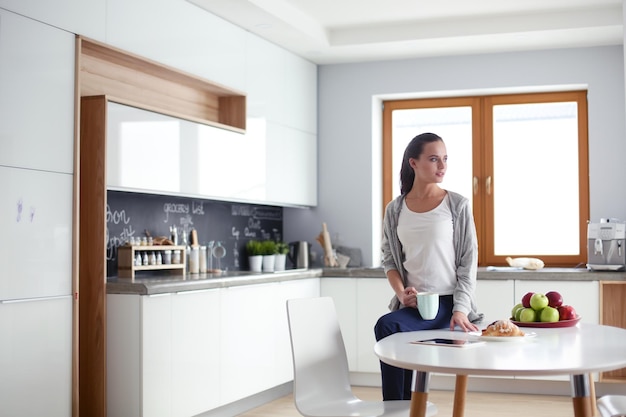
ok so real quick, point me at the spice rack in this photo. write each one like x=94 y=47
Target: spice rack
x=126 y=267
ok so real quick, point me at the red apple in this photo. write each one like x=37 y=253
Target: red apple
x=526 y=299
x=567 y=313
x=554 y=299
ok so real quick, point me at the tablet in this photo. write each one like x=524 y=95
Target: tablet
x=449 y=342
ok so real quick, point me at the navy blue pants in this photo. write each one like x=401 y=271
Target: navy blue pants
x=396 y=381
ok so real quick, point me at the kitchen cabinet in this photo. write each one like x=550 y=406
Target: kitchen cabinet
x=36 y=184
x=182 y=354
x=36 y=217
x=36 y=356
x=359 y=303
x=254 y=336
x=495 y=298
x=37 y=100
x=195 y=352
x=613 y=313
x=87 y=17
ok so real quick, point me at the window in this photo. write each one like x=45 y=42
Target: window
x=520 y=159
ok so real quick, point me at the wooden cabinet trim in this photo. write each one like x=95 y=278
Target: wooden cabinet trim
x=137 y=81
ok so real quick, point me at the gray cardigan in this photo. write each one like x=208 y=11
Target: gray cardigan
x=465 y=248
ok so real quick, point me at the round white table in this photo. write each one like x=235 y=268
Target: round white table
x=576 y=351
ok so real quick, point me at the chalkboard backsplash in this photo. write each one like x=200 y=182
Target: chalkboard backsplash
x=132 y=214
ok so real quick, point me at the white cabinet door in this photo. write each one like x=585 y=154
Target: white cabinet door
x=37 y=99
x=343 y=291
x=36 y=218
x=373 y=296
x=584 y=296
x=35 y=357
x=124 y=345
x=181 y=35
x=291 y=166
x=495 y=299
x=156 y=359
x=86 y=17
x=283 y=364
x=195 y=352
x=246 y=340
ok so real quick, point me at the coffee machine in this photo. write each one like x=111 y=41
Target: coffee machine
x=605 y=245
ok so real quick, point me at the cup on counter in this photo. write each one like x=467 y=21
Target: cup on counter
x=428 y=304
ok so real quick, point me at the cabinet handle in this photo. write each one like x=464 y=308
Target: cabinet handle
x=488 y=185
x=26 y=300
x=475 y=185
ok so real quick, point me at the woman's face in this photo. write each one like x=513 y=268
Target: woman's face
x=431 y=165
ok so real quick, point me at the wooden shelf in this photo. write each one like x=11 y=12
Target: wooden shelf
x=126 y=267
x=613 y=313
x=130 y=79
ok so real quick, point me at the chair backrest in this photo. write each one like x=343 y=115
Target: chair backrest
x=320 y=365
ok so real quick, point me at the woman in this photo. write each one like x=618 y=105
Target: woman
x=429 y=244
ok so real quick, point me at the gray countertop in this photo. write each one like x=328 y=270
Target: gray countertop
x=194 y=282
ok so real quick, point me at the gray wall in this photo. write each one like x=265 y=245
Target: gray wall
x=349 y=129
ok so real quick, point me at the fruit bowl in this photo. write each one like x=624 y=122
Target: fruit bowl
x=555 y=324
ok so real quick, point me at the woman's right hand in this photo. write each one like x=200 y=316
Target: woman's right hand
x=409 y=297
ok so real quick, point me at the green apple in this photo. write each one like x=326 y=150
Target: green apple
x=514 y=310
x=527 y=315
x=538 y=301
x=549 y=314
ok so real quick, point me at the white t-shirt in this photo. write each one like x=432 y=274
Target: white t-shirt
x=427 y=243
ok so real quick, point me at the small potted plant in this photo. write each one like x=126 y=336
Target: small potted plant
x=282 y=249
x=269 y=255
x=254 y=249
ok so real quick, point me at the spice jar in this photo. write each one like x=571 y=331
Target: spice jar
x=176 y=257
x=167 y=257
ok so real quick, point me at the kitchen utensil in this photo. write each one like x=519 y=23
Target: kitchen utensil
x=299 y=254
x=210 y=254
x=219 y=252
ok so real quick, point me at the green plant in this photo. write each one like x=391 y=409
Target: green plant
x=268 y=247
x=254 y=248
x=282 y=248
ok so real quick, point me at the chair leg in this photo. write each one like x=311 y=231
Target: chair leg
x=460 y=390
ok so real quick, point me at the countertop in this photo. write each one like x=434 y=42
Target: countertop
x=194 y=282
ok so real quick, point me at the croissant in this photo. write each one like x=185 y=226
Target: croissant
x=504 y=328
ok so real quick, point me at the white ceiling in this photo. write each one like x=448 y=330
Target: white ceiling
x=339 y=31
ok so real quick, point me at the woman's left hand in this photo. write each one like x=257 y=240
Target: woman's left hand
x=461 y=320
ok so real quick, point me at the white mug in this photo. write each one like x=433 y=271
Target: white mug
x=428 y=304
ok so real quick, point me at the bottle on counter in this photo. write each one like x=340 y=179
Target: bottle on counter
x=194 y=260
x=203 y=258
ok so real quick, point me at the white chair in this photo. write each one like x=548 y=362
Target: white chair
x=320 y=366
x=612 y=405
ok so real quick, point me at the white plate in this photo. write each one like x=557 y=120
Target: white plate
x=527 y=336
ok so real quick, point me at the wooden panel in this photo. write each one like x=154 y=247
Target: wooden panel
x=133 y=80
x=613 y=313
x=92 y=265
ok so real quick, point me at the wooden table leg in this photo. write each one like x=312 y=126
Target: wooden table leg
x=592 y=395
x=418 y=404
x=581 y=397
x=460 y=390
x=419 y=394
